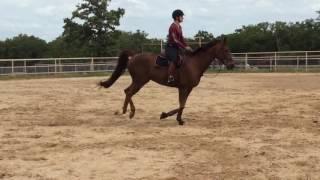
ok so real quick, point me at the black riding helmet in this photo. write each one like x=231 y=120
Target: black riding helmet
x=177 y=13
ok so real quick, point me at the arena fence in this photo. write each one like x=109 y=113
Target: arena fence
x=56 y=65
x=279 y=61
x=307 y=61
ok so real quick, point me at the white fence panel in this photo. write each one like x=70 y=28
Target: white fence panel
x=270 y=61
x=56 y=65
x=277 y=61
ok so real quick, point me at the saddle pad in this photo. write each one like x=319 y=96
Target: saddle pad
x=162 y=61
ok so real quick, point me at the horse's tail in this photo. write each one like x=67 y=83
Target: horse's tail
x=120 y=69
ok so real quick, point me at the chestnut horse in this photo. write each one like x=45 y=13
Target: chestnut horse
x=142 y=68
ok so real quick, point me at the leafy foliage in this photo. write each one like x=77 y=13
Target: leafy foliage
x=92 y=28
x=23 y=46
x=278 y=36
x=205 y=35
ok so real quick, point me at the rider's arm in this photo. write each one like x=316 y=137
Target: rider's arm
x=181 y=43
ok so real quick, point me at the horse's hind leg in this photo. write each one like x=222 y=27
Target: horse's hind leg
x=165 y=115
x=132 y=108
x=130 y=91
x=126 y=101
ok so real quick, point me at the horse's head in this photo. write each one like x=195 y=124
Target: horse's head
x=223 y=54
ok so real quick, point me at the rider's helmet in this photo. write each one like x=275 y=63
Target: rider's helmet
x=177 y=13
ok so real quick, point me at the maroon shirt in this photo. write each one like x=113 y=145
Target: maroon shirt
x=175 y=36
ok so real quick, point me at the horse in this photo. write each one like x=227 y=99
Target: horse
x=142 y=68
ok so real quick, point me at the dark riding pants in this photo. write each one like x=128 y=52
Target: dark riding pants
x=172 y=53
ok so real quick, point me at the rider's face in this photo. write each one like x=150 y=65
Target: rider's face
x=180 y=19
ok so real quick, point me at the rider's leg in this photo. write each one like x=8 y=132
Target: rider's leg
x=171 y=70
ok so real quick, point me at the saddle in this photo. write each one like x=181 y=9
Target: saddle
x=163 y=61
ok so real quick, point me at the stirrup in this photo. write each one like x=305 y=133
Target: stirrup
x=170 y=79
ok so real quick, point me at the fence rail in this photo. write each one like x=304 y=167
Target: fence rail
x=276 y=61
x=56 y=65
x=271 y=61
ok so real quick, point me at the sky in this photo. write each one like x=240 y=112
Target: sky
x=44 y=18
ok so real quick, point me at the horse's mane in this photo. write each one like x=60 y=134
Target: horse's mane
x=206 y=46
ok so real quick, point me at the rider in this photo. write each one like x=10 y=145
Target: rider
x=175 y=43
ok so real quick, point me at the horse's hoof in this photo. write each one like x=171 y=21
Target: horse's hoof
x=163 y=115
x=131 y=115
x=181 y=123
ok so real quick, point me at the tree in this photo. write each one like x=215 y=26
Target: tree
x=2 y=50
x=280 y=31
x=58 y=48
x=92 y=27
x=133 y=41
x=252 y=38
x=24 y=46
x=205 y=35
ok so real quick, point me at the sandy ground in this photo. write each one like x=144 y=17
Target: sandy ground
x=238 y=126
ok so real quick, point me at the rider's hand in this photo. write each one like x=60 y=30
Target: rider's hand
x=189 y=49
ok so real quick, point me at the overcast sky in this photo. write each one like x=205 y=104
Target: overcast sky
x=44 y=18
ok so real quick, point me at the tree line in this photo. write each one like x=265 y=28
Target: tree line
x=91 y=31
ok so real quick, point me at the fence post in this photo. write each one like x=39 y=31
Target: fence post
x=60 y=67
x=306 y=61
x=275 y=61
x=55 y=66
x=199 y=40
x=161 y=44
x=92 y=65
x=246 y=62
x=12 y=66
x=270 y=65
x=25 y=66
x=298 y=63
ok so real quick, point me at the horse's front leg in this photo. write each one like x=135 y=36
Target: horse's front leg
x=183 y=96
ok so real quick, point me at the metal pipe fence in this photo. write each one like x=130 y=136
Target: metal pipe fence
x=279 y=61
x=307 y=61
x=57 y=65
